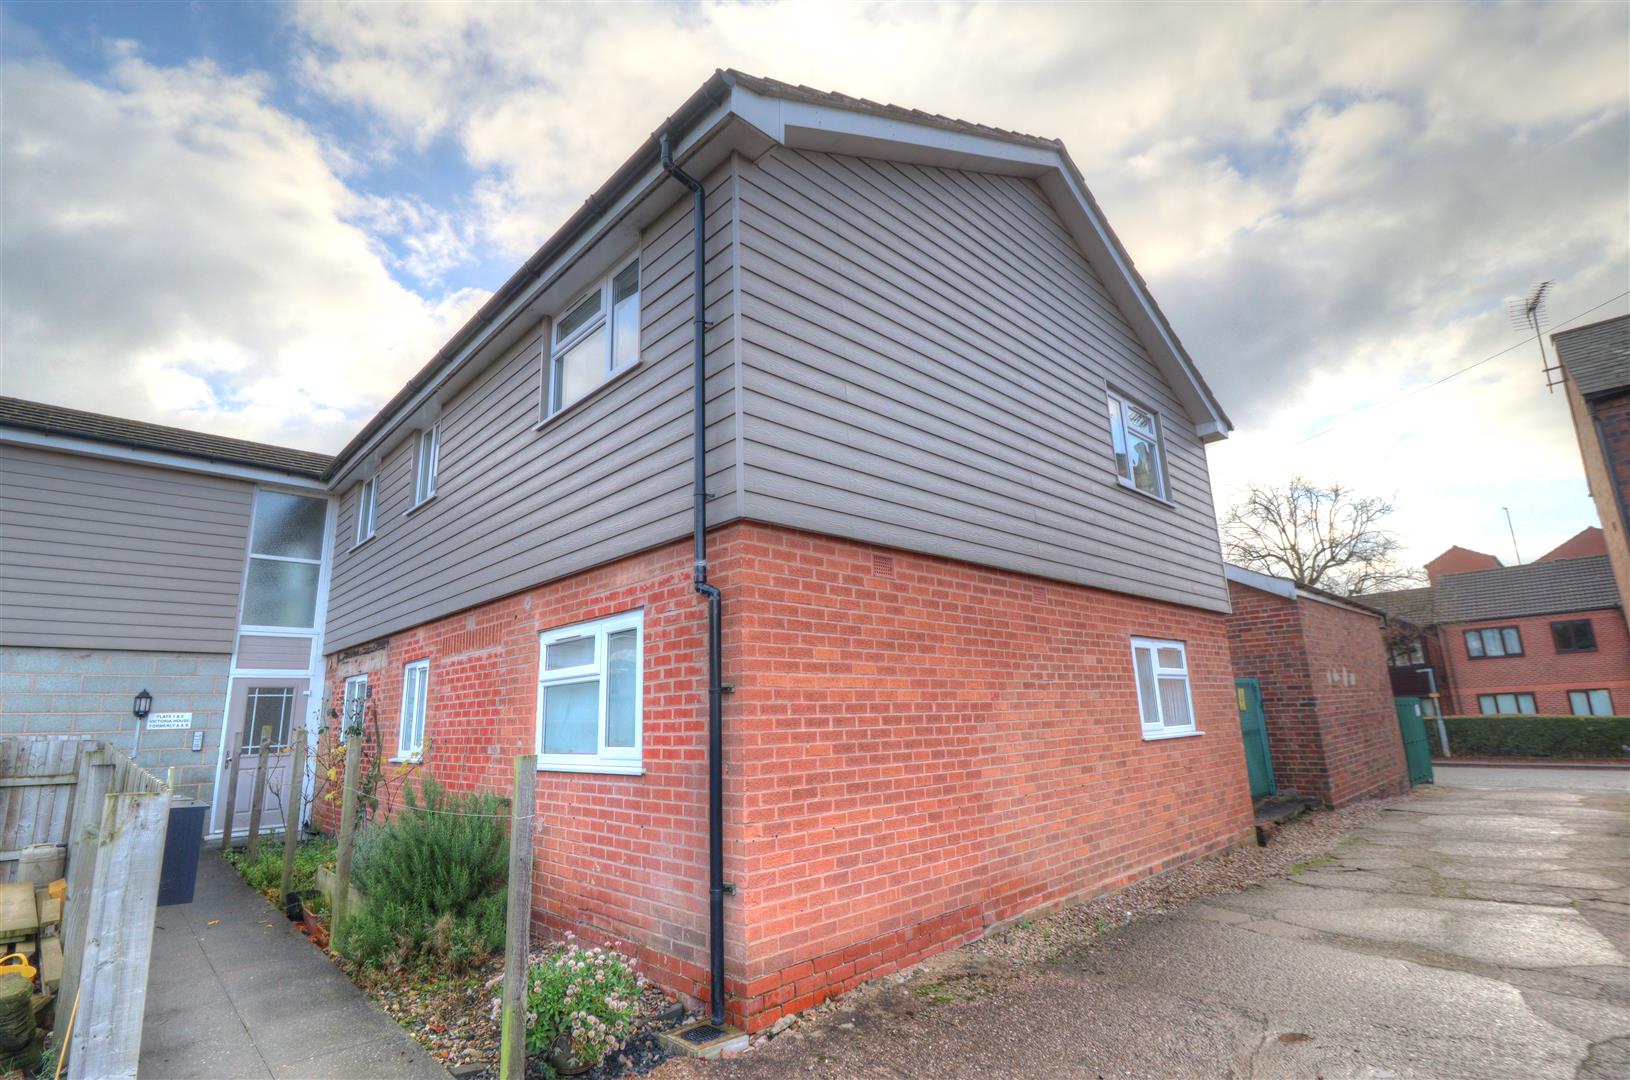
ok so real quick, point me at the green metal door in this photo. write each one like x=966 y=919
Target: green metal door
x=1254 y=727
x=1412 y=728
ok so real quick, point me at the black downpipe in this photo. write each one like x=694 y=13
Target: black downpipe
x=715 y=681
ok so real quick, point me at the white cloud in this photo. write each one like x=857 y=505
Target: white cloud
x=175 y=248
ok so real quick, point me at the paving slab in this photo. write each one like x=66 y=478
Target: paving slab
x=234 y=991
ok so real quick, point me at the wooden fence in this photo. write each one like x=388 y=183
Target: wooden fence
x=112 y=815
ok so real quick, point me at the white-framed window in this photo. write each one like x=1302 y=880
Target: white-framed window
x=1590 y=702
x=367 y=498
x=285 y=561
x=1140 y=459
x=591 y=679
x=596 y=337
x=353 y=704
x=1506 y=704
x=424 y=469
x=415 y=693
x=1164 y=703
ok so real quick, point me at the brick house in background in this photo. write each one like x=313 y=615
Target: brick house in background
x=1545 y=637
x=1595 y=362
x=957 y=505
x=1321 y=664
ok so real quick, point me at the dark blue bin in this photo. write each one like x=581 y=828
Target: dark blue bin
x=178 y=875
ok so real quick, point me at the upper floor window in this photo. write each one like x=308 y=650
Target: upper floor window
x=367 y=497
x=1575 y=635
x=1162 y=671
x=1135 y=432
x=596 y=338
x=415 y=696
x=1406 y=654
x=1590 y=702
x=285 y=560
x=1506 y=704
x=424 y=470
x=589 y=689
x=1493 y=641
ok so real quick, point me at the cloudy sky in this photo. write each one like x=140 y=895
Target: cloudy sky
x=259 y=220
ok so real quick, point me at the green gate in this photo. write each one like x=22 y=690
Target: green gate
x=1412 y=727
x=1254 y=727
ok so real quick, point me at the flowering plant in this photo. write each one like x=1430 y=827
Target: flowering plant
x=580 y=1003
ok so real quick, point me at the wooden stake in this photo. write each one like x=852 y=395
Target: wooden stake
x=234 y=754
x=259 y=798
x=348 y=835
x=291 y=828
x=518 y=920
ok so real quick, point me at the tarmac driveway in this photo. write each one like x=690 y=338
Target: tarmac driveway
x=1465 y=932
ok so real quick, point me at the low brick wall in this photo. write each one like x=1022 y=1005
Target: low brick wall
x=89 y=692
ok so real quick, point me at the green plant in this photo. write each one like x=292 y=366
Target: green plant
x=434 y=878
x=265 y=873
x=589 y=996
x=1533 y=736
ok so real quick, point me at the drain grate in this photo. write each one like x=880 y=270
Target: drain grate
x=702 y=1033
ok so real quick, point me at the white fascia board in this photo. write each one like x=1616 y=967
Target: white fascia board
x=157 y=459
x=524 y=300
x=1267 y=583
x=805 y=125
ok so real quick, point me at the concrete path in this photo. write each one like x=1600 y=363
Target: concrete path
x=1469 y=932
x=235 y=991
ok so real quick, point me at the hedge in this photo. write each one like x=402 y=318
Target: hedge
x=1533 y=736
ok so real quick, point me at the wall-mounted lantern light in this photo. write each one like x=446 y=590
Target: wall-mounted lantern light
x=143 y=705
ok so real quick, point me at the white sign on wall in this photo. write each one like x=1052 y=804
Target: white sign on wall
x=160 y=721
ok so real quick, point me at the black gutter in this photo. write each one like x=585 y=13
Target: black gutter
x=715 y=683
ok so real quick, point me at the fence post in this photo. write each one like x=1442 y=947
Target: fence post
x=95 y=779
x=518 y=919
x=291 y=828
x=258 y=800
x=119 y=934
x=234 y=752
x=348 y=835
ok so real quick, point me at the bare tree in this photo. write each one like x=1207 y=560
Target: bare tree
x=1326 y=537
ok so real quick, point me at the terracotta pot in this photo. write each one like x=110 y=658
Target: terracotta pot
x=316 y=929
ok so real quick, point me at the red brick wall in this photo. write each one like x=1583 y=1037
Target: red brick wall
x=1326 y=695
x=1541 y=670
x=1363 y=750
x=1265 y=641
x=916 y=749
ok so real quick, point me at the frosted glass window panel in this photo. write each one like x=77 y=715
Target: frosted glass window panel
x=622 y=683
x=1174 y=703
x=281 y=594
x=577 y=652
x=625 y=317
x=1147 y=703
x=571 y=714
x=288 y=525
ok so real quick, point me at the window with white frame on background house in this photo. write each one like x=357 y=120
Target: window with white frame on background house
x=1493 y=641
x=415 y=695
x=351 y=708
x=367 y=497
x=589 y=688
x=597 y=337
x=1590 y=702
x=285 y=561
x=1164 y=703
x=1506 y=704
x=1134 y=431
x=424 y=468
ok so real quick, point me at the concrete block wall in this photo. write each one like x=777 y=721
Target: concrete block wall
x=89 y=692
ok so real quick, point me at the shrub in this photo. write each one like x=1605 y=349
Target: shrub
x=1533 y=736
x=590 y=996
x=434 y=879
x=265 y=873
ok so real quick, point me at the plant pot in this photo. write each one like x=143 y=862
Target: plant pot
x=316 y=929
x=564 y=1060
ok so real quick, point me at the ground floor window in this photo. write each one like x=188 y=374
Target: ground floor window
x=1590 y=702
x=356 y=696
x=1505 y=704
x=1162 y=671
x=590 y=680
x=415 y=696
